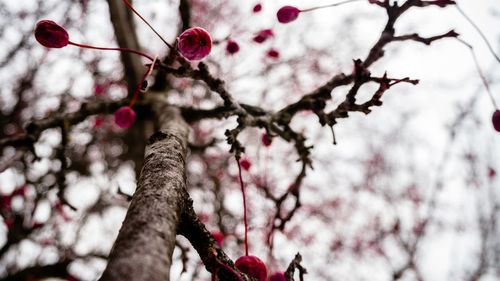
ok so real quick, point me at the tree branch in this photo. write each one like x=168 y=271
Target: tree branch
x=146 y=241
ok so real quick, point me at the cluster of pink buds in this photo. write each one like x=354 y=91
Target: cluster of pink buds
x=193 y=44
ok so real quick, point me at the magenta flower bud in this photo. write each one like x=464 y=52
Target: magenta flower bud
x=287 y=14
x=257 y=8
x=496 y=120
x=252 y=266
x=245 y=164
x=263 y=35
x=491 y=172
x=124 y=117
x=278 y=276
x=232 y=47
x=50 y=34
x=194 y=43
x=266 y=139
x=273 y=53
x=219 y=237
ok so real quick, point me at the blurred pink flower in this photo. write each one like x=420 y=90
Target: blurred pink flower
x=263 y=35
x=124 y=117
x=257 y=8
x=245 y=164
x=232 y=47
x=273 y=53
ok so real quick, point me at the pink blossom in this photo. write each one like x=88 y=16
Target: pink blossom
x=124 y=117
x=266 y=139
x=50 y=34
x=194 y=43
x=99 y=89
x=257 y=8
x=263 y=35
x=98 y=121
x=491 y=172
x=273 y=53
x=245 y=164
x=232 y=47
x=219 y=237
x=287 y=14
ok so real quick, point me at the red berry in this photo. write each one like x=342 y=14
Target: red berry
x=194 y=43
x=496 y=120
x=273 y=53
x=287 y=14
x=50 y=34
x=263 y=35
x=257 y=8
x=232 y=47
x=245 y=164
x=124 y=117
x=252 y=266
x=266 y=139
x=278 y=276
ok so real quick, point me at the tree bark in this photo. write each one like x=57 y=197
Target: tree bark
x=146 y=241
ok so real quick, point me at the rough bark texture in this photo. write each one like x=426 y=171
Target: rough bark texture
x=144 y=247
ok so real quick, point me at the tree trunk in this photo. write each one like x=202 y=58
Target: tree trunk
x=146 y=241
